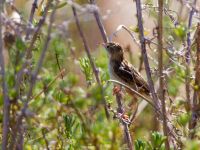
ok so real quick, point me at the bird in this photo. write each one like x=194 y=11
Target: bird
x=123 y=71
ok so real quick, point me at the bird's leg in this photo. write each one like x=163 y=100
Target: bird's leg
x=133 y=104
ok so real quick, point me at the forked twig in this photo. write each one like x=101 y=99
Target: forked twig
x=120 y=27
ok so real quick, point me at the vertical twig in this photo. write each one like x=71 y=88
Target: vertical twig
x=128 y=136
x=160 y=68
x=87 y=50
x=120 y=110
x=144 y=54
x=147 y=68
x=45 y=139
x=6 y=102
x=34 y=6
x=41 y=59
x=196 y=98
x=99 y=23
x=187 y=58
x=34 y=75
x=30 y=48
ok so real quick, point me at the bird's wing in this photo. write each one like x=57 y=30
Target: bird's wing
x=123 y=72
x=140 y=82
x=127 y=73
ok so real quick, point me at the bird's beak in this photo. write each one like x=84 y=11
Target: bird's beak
x=104 y=45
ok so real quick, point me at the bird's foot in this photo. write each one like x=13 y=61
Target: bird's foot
x=124 y=118
x=116 y=90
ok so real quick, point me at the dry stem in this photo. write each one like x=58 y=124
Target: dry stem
x=87 y=50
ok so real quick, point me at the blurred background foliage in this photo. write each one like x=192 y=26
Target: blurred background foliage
x=69 y=113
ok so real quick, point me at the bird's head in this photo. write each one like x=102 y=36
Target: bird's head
x=115 y=51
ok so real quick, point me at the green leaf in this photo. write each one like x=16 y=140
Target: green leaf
x=184 y=118
x=180 y=31
x=140 y=145
x=86 y=69
x=157 y=140
x=20 y=45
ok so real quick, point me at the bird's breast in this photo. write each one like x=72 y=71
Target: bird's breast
x=112 y=73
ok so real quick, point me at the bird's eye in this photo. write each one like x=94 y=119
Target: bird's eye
x=107 y=46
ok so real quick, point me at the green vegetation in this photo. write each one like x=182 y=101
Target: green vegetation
x=50 y=97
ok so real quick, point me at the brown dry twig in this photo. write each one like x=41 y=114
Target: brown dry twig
x=125 y=121
x=134 y=91
x=87 y=50
x=161 y=74
x=196 y=96
x=60 y=74
x=6 y=101
x=34 y=7
x=99 y=22
x=18 y=126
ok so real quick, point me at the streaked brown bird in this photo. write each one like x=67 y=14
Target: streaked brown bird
x=122 y=71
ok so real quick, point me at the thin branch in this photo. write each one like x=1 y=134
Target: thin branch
x=135 y=112
x=6 y=102
x=34 y=6
x=30 y=48
x=134 y=91
x=42 y=56
x=99 y=22
x=188 y=57
x=45 y=138
x=60 y=74
x=128 y=136
x=160 y=68
x=196 y=98
x=57 y=61
x=78 y=112
x=35 y=73
x=144 y=54
x=129 y=32
x=139 y=109
x=120 y=110
x=87 y=50
x=147 y=68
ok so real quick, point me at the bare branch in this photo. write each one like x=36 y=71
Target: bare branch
x=45 y=138
x=99 y=23
x=144 y=54
x=196 y=98
x=60 y=74
x=34 y=6
x=160 y=68
x=30 y=48
x=188 y=57
x=134 y=91
x=87 y=50
x=129 y=32
x=125 y=123
x=147 y=69
x=6 y=102
x=34 y=76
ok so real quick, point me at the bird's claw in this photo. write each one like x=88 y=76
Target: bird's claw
x=116 y=90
